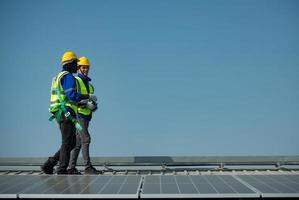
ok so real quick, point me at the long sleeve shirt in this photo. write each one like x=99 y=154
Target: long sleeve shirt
x=68 y=83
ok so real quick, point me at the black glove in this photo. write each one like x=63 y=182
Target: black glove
x=93 y=106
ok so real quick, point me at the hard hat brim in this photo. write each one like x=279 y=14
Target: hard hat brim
x=69 y=61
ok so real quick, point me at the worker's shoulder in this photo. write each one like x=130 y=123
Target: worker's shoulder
x=77 y=77
x=68 y=77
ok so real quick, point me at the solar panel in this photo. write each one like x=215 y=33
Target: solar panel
x=10 y=186
x=149 y=186
x=68 y=186
x=274 y=185
x=203 y=186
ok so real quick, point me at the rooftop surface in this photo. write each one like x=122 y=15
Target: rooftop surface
x=236 y=177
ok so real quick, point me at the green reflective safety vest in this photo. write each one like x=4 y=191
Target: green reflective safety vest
x=56 y=100
x=83 y=90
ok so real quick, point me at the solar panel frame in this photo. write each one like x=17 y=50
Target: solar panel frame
x=8 y=196
x=159 y=182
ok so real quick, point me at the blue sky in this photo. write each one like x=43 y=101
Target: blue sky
x=174 y=78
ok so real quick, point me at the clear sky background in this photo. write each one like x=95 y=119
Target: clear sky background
x=174 y=78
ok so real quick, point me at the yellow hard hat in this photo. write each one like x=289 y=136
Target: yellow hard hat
x=83 y=61
x=68 y=56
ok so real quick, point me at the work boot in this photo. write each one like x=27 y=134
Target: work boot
x=74 y=171
x=48 y=166
x=91 y=170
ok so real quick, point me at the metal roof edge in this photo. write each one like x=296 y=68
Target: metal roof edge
x=167 y=160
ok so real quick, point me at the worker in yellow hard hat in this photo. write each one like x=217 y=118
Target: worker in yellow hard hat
x=85 y=110
x=64 y=107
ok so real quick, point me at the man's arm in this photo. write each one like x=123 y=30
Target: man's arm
x=68 y=83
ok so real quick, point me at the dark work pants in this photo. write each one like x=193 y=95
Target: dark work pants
x=82 y=140
x=68 y=142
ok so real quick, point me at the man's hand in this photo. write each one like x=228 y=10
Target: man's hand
x=93 y=97
x=83 y=102
x=92 y=106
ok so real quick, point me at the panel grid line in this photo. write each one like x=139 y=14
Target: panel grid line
x=289 y=180
x=35 y=184
x=53 y=184
x=105 y=185
x=193 y=184
x=177 y=184
x=227 y=184
x=210 y=184
x=247 y=184
x=121 y=186
x=73 y=183
x=274 y=180
x=265 y=184
x=160 y=179
x=88 y=184
x=12 y=185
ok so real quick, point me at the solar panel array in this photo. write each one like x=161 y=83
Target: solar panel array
x=69 y=186
x=148 y=186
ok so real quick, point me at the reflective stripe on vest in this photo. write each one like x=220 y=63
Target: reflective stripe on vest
x=83 y=90
x=55 y=102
